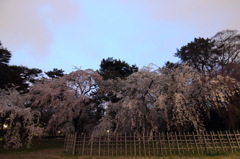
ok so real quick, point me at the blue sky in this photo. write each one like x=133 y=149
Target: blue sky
x=49 y=34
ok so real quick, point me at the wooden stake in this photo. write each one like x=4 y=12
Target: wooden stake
x=220 y=139
x=205 y=142
x=91 y=145
x=236 y=138
x=125 y=144
x=169 y=146
x=108 y=143
x=211 y=134
x=134 y=144
x=229 y=141
x=144 y=145
x=99 y=146
x=185 y=138
x=177 y=143
x=83 y=144
x=195 y=142
x=74 y=143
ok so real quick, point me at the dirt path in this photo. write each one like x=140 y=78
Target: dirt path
x=59 y=154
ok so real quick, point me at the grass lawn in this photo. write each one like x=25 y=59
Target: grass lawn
x=53 y=149
x=37 y=145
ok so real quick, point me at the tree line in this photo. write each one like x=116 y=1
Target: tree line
x=198 y=93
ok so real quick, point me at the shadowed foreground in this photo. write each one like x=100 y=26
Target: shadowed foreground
x=53 y=149
x=60 y=154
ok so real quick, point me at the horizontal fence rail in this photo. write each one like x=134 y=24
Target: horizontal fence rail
x=156 y=144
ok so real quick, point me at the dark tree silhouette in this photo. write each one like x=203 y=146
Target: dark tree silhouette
x=5 y=55
x=12 y=75
x=200 y=54
x=112 y=69
x=207 y=55
x=55 y=73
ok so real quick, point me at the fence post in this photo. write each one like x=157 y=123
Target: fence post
x=156 y=140
x=108 y=143
x=220 y=141
x=65 y=142
x=185 y=138
x=205 y=142
x=134 y=144
x=147 y=146
x=91 y=145
x=139 y=146
x=212 y=134
x=229 y=141
x=177 y=142
x=120 y=144
x=130 y=144
x=116 y=144
x=160 y=143
x=83 y=143
x=99 y=145
x=144 y=145
x=169 y=146
x=74 y=143
x=125 y=139
x=236 y=138
x=112 y=147
x=195 y=142
x=153 y=142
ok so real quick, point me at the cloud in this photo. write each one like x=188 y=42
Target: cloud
x=202 y=16
x=29 y=24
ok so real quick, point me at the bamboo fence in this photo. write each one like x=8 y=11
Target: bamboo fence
x=154 y=145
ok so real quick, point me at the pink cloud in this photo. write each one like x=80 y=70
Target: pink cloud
x=204 y=16
x=26 y=23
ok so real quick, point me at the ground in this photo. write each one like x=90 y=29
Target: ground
x=53 y=149
x=59 y=154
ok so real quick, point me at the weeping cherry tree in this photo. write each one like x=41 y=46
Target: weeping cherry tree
x=17 y=121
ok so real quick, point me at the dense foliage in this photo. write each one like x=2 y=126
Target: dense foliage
x=66 y=99
x=166 y=99
x=17 y=121
x=12 y=75
x=5 y=55
x=55 y=73
x=113 y=69
x=207 y=55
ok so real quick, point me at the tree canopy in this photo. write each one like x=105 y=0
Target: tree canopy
x=113 y=69
x=55 y=73
x=200 y=54
x=5 y=55
x=19 y=76
x=207 y=55
x=21 y=122
x=153 y=101
x=12 y=75
x=67 y=98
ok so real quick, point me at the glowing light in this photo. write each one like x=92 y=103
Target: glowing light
x=107 y=131
x=5 y=126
